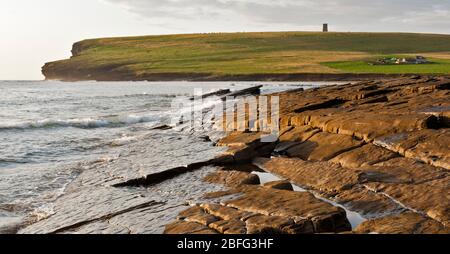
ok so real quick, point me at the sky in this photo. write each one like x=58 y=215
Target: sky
x=34 y=32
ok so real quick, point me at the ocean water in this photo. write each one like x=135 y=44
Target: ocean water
x=51 y=131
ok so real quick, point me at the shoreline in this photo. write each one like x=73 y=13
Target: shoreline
x=200 y=77
x=378 y=148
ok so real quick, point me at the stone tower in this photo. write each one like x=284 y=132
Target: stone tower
x=325 y=28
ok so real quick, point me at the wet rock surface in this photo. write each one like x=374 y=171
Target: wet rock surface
x=105 y=210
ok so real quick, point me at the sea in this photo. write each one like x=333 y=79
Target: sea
x=50 y=131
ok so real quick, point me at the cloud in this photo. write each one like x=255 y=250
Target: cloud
x=355 y=15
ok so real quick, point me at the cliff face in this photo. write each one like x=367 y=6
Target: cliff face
x=77 y=68
x=63 y=71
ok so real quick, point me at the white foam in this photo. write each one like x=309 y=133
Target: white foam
x=42 y=213
x=83 y=122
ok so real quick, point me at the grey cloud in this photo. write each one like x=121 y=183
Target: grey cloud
x=359 y=15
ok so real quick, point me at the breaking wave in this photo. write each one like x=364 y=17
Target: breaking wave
x=84 y=123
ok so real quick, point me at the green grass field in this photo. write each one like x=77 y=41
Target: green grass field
x=259 y=53
x=435 y=66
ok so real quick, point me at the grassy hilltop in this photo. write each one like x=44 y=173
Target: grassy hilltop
x=250 y=53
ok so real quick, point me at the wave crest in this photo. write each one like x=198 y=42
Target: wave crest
x=84 y=123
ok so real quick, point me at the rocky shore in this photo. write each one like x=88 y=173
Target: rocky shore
x=379 y=149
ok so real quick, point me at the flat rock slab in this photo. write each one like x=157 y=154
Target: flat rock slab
x=429 y=146
x=232 y=178
x=239 y=154
x=109 y=210
x=402 y=171
x=368 y=109
x=185 y=227
x=431 y=198
x=323 y=176
x=324 y=146
x=299 y=134
x=263 y=210
x=371 y=125
x=96 y=204
x=240 y=139
x=363 y=156
x=367 y=203
x=391 y=185
x=124 y=167
x=405 y=223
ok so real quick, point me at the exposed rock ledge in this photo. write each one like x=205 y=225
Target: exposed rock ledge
x=378 y=148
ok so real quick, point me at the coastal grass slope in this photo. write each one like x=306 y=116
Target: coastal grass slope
x=219 y=54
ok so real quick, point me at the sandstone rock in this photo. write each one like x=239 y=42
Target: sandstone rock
x=367 y=203
x=198 y=215
x=225 y=213
x=402 y=170
x=431 y=197
x=323 y=146
x=299 y=134
x=262 y=210
x=430 y=146
x=191 y=211
x=331 y=222
x=370 y=125
x=366 y=155
x=405 y=223
x=233 y=226
x=282 y=148
x=279 y=185
x=295 y=205
x=244 y=154
x=184 y=227
x=327 y=103
x=232 y=178
x=240 y=139
x=323 y=176
x=300 y=227
x=261 y=224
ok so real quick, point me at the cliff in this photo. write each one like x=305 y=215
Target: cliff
x=283 y=56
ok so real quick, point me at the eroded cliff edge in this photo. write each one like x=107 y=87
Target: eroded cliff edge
x=130 y=59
